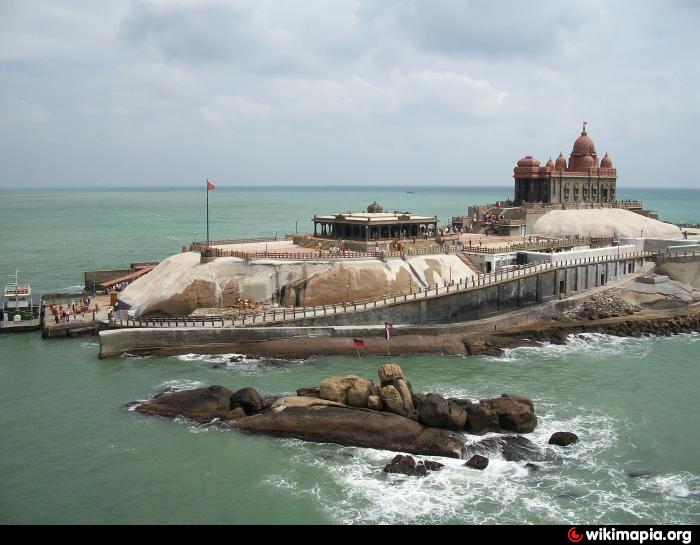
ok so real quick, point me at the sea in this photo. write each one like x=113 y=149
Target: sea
x=72 y=450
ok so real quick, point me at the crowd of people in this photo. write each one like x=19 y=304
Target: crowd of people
x=75 y=308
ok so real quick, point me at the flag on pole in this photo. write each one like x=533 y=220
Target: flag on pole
x=210 y=186
x=359 y=342
x=388 y=331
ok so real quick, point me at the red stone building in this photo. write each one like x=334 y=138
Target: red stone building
x=584 y=179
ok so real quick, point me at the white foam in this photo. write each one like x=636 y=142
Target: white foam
x=579 y=484
x=246 y=366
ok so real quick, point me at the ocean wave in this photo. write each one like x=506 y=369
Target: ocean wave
x=594 y=345
x=581 y=482
x=243 y=364
x=179 y=384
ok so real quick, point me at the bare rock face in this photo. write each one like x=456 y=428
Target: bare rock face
x=354 y=427
x=512 y=448
x=408 y=466
x=375 y=403
x=517 y=416
x=480 y=419
x=247 y=399
x=405 y=393
x=391 y=398
x=313 y=391
x=389 y=372
x=358 y=397
x=200 y=404
x=438 y=412
x=336 y=388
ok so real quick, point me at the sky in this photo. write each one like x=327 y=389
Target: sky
x=343 y=92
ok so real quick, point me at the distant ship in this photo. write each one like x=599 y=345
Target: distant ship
x=19 y=312
x=409 y=191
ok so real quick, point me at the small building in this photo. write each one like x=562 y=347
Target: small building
x=374 y=225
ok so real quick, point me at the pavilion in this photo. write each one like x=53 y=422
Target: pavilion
x=375 y=224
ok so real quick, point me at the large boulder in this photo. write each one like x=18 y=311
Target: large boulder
x=405 y=465
x=392 y=400
x=358 y=397
x=247 y=399
x=480 y=419
x=408 y=466
x=200 y=404
x=513 y=415
x=406 y=396
x=389 y=372
x=563 y=438
x=375 y=403
x=354 y=427
x=477 y=462
x=438 y=412
x=336 y=388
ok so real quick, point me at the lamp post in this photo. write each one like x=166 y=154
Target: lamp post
x=347 y=292
x=275 y=233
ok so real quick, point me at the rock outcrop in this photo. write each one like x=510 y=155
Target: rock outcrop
x=563 y=438
x=477 y=462
x=200 y=404
x=603 y=222
x=181 y=283
x=352 y=410
x=408 y=466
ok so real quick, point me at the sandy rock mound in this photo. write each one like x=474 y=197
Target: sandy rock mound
x=603 y=222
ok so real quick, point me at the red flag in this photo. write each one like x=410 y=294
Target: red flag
x=210 y=186
x=359 y=342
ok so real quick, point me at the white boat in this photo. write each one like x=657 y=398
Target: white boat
x=18 y=312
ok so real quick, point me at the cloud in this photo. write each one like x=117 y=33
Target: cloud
x=382 y=88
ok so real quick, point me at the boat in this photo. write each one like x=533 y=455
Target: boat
x=19 y=312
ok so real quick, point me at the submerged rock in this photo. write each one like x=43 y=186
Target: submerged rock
x=642 y=472
x=408 y=466
x=563 y=438
x=512 y=448
x=405 y=465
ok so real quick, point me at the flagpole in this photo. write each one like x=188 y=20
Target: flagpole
x=207 y=210
x=357 y=350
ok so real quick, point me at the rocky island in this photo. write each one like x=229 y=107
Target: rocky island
x=355 y=411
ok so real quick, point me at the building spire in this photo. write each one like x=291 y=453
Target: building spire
x=583 y=132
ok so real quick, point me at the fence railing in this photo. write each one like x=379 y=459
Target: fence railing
x=537 y=245
x=284 y=314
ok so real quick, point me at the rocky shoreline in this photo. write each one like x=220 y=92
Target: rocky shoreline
x=354 y=411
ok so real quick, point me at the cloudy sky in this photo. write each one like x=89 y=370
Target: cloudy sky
x=343 y=92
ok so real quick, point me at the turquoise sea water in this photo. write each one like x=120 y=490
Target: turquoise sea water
x=70 y=451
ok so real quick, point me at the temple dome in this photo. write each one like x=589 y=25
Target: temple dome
x=588 y=162
x=528 y=161
x=606 y=162
x=550 y=164
x=561 y=162
x=584 y=145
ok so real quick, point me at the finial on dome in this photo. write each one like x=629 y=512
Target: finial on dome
x=583 y=132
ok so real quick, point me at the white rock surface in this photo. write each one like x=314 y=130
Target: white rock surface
x=604 y=222
x=181 y=284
